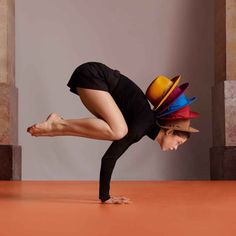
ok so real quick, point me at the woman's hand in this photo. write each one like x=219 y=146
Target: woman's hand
x=117 y=200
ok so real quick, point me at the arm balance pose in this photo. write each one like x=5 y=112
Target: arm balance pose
x=122 y=115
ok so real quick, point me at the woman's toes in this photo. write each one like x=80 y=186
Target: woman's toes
x=29 y=129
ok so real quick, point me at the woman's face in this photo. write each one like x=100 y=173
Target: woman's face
x=170 y=142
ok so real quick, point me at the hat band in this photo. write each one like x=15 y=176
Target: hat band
x=185 y=125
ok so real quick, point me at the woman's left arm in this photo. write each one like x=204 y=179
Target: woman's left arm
x=116 y=149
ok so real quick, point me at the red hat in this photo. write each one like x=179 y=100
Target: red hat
x=182 y=113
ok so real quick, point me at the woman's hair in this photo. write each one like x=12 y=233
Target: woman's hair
x=182 y=134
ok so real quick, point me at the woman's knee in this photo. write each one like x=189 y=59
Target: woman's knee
x=119 y=132
x=94 y=100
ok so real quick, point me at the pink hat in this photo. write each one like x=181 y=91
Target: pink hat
x=178 y=90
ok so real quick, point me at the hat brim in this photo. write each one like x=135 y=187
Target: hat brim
x=190 y=129
x=191 y=115
x=190 y=101
x=164 y=106
x=175 y=81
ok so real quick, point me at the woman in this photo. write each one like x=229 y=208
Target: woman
x=122 y=115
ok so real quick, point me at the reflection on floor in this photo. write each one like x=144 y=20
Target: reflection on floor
x=32 y=208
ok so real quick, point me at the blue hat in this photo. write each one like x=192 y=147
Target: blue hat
x=180 y=102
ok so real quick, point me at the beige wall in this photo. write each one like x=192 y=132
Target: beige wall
x=141 y=39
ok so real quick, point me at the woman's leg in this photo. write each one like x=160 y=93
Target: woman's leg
x=109 y=124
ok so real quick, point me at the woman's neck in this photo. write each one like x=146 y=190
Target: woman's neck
x=159 y=136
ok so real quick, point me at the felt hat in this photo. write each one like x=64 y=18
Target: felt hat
x=177 y=91
x=180 y=124
x=160 y=88
x=180 y=102
x=182 y=113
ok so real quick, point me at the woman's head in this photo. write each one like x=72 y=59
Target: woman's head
x=170 y=139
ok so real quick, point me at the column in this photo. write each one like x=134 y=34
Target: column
x=223 y=152
x=10 y=151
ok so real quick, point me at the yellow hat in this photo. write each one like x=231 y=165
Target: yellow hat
x=160 y=88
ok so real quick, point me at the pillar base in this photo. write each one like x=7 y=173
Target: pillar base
x=223 y=163
x=10 y=162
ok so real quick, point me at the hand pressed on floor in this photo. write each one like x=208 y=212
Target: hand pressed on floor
x=117 y=200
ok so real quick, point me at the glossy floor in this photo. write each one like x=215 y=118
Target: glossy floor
x=32 y=208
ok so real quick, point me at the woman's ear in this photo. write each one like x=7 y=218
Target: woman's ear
x=169 y=131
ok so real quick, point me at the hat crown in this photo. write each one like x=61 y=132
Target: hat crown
x=181 y=124
x=175 y=94
x=159 y=87
x=180 y=102
x=182 y=113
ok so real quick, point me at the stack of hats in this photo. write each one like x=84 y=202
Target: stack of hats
x=170 y=104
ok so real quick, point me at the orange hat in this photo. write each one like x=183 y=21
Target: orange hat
x=160 y=88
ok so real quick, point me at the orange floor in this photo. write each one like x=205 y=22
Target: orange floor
x=32 y=208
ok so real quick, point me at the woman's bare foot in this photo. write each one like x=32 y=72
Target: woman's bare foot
x=46 y=128
x=117 y=200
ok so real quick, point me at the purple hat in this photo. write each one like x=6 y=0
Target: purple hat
x=178 y=90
